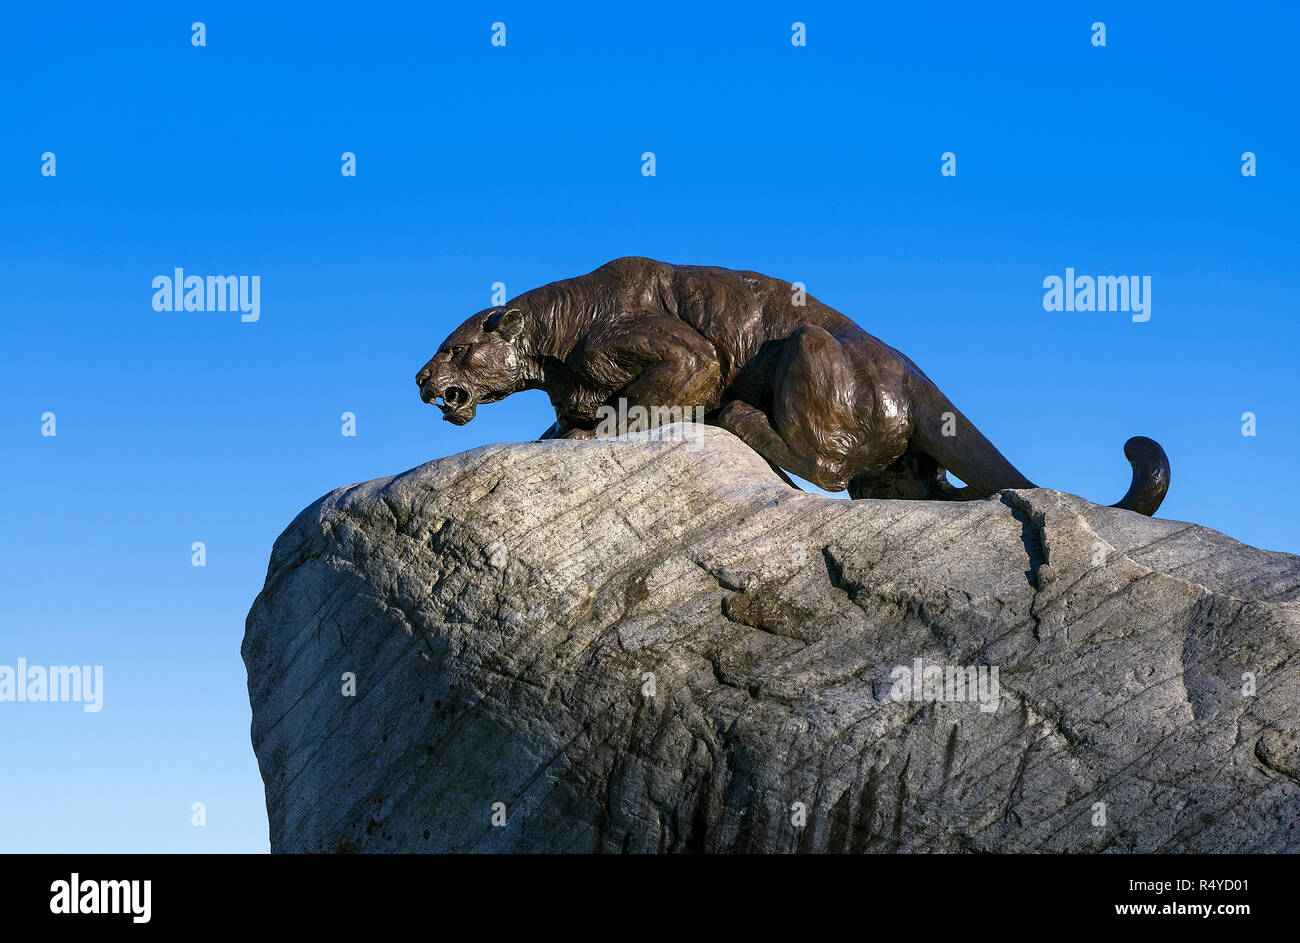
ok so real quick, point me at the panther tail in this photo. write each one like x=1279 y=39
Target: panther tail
x=971 y=457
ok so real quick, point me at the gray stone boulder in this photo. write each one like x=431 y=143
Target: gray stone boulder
x=652 y=644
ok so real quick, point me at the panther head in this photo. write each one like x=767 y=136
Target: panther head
x=479 y=363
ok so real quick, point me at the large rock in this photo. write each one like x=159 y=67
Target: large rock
x=651 y=644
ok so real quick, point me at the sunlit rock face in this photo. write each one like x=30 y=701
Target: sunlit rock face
x=652 y=644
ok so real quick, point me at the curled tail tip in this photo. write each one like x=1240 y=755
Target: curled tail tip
x=1150 y=476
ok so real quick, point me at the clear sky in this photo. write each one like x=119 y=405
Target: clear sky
x=523 y=164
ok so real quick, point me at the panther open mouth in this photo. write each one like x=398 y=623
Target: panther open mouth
x=453 y=398
x=456 y=406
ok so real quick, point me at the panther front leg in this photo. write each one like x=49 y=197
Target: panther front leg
x=562 y=430
x=668 y=372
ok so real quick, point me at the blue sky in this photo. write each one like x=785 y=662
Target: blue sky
x=522 y=164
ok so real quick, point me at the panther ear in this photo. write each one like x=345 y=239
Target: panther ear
x=506 y=323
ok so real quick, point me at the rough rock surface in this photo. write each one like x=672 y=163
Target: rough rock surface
x=502 y=609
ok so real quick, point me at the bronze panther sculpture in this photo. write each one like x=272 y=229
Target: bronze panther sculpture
x=804 y=386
